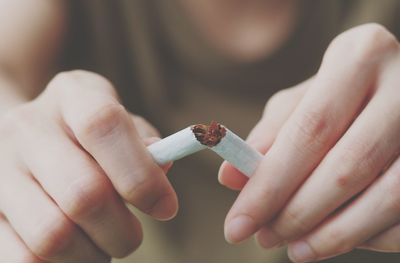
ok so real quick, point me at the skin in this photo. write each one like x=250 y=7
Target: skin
x=243 y=30
x=73 y=152
x=70 y=150
x=328 y=182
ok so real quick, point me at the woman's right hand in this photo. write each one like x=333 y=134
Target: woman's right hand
x=68 y=161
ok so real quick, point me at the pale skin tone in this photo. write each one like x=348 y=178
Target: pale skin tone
x=329 y=180
x=76 y=155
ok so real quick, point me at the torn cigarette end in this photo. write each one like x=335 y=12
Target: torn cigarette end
x=214 y=137
x=209 y=135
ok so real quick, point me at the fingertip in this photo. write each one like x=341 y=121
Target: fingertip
x=230 y=177
x=222 y=172
x=151 y=192
x=137 y=238
x=165 y=208
x=239 y=229
x=301 y=252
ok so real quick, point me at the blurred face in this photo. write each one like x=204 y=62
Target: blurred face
x=244 y=30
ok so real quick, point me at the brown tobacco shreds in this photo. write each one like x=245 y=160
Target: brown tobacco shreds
x=209 y=135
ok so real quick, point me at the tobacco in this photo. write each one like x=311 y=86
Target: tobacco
x=209 y=135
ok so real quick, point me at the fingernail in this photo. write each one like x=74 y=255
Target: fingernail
x=300 y=252
x=165 y=208
x=239 y=228
x=267 y=238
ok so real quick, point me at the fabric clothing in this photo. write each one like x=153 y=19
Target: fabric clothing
x=165 y=71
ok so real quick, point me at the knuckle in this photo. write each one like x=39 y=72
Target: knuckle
x=291 y=224
x=144 y=191
x=265 y=193
x=331 y=242
x=373 y=32
x=350 y=178
x=282 y=100
x=60 y=81
x=133 y=192
x=358 y=162
x=60 y=77
x=277 y=99
x=312 y=131
x=344 y=181
x=103 y=123
x=72 y=75
x=70 y=79
x=312 y=124
x=86 y=197
x=363 y=43
x=95 y=79
x=336 y=241
x=52 y=237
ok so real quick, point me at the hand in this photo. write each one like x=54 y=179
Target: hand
x=329 y=181
x=68 y=161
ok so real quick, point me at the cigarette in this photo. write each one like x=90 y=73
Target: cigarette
x=215 y=137
x=175 y=146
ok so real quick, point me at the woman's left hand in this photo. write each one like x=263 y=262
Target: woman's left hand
x=330 y=179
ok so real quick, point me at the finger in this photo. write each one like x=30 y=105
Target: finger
x=277 y=111
x=231 y=177
x=81 y=189
x=150 y=140
x=106 y=131
x=46 y=231
x=387 y=241
x=369 y=145
x=144 y=128
x=313 y=128
x=371 y=213
x=12 y=248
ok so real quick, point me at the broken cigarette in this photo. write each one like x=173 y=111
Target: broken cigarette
x=214 y=137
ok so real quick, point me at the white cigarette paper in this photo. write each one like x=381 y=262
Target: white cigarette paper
x=214 y=137
x=238 y=153
x=175 y=146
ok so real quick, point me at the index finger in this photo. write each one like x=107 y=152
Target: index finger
x=90 y=109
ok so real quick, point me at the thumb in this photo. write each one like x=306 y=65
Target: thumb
x=277 y=111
